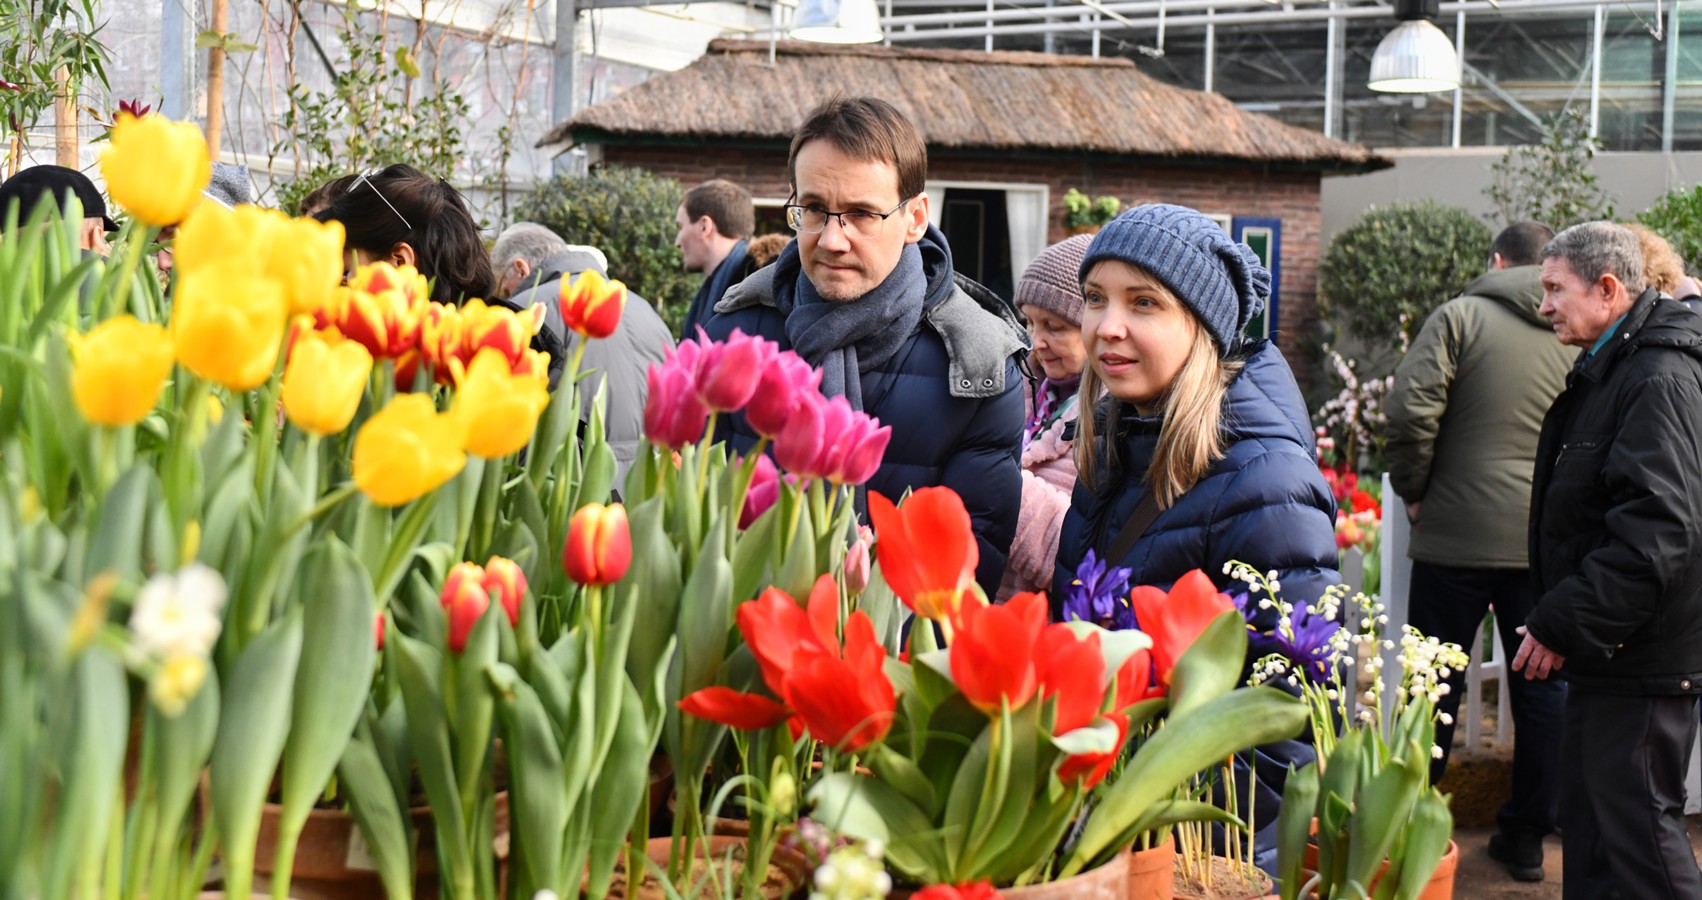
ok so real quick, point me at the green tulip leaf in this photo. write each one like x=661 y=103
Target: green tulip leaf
x=537 y=786
x=381 y=819
x=1294 y=825
x=1211 y=666
x=254 y=722
x=418 y=667
x=93 y=756
x=623 y=784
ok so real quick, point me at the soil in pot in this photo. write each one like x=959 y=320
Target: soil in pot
x=787 y=871
x=1228 y=881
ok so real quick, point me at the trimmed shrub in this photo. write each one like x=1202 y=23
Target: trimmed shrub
x=1677 y=216
x=1402 y=260
x=628 y=214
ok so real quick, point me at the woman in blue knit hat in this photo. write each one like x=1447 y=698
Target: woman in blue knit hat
x=1202 y=450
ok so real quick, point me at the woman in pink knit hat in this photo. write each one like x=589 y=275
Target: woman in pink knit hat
x=1049 y=296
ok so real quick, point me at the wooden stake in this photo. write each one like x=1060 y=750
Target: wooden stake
x=65 y=121
x=216 y=81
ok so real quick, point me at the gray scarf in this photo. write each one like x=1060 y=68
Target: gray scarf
x=844 y=339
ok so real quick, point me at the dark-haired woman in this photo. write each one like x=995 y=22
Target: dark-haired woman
x=405 y=217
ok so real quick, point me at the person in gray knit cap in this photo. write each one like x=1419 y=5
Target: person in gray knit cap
x=1202 y=451
x=1049 y=297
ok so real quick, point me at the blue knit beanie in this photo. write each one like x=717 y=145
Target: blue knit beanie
x=1220 y=280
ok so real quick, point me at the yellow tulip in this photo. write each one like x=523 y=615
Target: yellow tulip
x=213 y=234
x=227 y=323
x=156 y=168
x=120 y=366
x=324 y=382
x=407 y=450
x=500 y=408
x=306 y=257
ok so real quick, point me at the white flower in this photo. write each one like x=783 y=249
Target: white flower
x=1435 y=752
x=178 y=615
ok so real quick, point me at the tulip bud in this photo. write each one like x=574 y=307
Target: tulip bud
x=464 y=579
x=673 y=415
x=857 y=444
x=591 y=304
x=407 y=450
x=599 y=545
x=324 y=383
x=464 y=613
x=378 y=628
x=728 y=373
x=156 y=168
x=504 y=578
x=227 y=334
x=764 y=490
x=857 y=567
x=119 y=368
x=799 y=444
x=785 y=381
x=496 y=327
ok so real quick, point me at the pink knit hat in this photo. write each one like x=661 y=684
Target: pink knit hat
x=1052 y=282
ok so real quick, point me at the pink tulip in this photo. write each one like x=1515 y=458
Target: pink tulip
x=673 y=416
x=786 y=380
x=728 y=372
x=764 y=490
x=799 y=444
x=858 y=450
x=857 y=567
x=836 y=421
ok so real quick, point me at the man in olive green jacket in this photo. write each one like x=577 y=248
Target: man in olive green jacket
x=1464 y=416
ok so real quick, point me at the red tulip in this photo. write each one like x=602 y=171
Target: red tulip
x=764 y=490
x=464 y=600
x=785 y=381
x=926 y=549
x=591 y=304
x=1363 y=502
x=673 y=415
x=980 y=890
x=799 y=444
x=504 y=578
x=1175 y=620
x=992 y=652
x=599 y=545
x=728 y=372
x=378 y=628
x=846 y=702
x=1072 y=669
x=1091 y=768
x=1134 y=681
x=746 y=712
x=777 y=629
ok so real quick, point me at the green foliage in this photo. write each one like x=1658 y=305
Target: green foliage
x=629 y=215
x=1551 y=182
x=42 y=37
x=1082 y=212
x=1385 y=273
x=377 y=113
x=1677 y=216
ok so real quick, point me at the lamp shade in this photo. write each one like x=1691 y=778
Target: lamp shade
x=1415 y=58
x=838 y=22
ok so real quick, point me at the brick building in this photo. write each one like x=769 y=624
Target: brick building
x=1008 y=134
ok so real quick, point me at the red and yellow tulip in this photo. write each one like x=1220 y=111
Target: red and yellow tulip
x=591 y=304
x=599 y=545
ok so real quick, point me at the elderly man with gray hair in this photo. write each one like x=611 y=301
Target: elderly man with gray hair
x=1616 y=552
x=532 y=263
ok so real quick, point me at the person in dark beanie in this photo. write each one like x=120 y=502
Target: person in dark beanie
x=52 y=184
x=1049 y=298
x=867 y=294
x=1201 y=452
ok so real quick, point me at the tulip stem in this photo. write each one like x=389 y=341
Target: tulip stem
x=134 y=244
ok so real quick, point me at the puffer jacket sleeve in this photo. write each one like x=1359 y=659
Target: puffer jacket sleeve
x=1417 y=401
x=1655 y=475
x=1278 y=514
x=984 y=470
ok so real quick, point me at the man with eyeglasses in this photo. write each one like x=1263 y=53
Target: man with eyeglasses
x=868 y=295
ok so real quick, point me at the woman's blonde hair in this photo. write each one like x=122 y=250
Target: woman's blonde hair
x=1662 y=268
x=1190 y=434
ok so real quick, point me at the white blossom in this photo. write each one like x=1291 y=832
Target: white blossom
x=178 y=614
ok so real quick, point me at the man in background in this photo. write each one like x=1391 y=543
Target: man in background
x=715 y=220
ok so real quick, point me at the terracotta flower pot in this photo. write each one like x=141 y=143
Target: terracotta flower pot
x=788 y=871
x=1439 y=887
x=1152 y=873
x=332 y=862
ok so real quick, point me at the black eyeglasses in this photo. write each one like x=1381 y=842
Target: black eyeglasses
x=813 y=219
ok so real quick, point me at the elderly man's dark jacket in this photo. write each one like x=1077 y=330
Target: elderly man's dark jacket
x=1616 y=509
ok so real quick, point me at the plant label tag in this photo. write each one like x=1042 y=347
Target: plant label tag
x=358 y=858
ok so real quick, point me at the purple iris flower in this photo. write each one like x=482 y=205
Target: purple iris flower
x=1307 y=649
x=1099 y=594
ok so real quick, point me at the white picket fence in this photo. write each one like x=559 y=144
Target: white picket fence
x=1396 y=585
